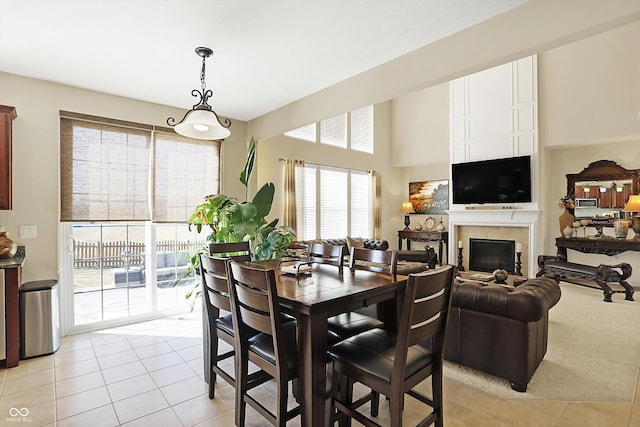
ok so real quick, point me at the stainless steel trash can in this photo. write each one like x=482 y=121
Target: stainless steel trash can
x=39 y=318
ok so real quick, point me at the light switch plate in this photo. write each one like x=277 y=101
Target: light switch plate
x=28 y=231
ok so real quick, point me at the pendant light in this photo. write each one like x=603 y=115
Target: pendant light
x=201 y=122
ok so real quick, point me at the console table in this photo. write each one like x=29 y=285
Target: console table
x=442 y=237
x=605 y=246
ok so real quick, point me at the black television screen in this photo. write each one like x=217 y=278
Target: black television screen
x=492 y=181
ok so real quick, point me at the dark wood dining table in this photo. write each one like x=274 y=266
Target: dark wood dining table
x=312 y=299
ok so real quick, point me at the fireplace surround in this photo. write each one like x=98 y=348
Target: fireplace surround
x=523 y=223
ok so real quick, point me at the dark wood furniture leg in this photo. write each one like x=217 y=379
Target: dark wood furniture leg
x=312 y=359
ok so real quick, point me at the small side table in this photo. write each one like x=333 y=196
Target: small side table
x=442 y=237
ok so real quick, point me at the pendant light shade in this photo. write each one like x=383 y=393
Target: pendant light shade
x=201 y=122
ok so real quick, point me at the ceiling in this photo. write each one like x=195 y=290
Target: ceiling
x=267 y=54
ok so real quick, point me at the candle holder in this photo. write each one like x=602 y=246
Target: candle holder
x=518 y=268
x=460 y=267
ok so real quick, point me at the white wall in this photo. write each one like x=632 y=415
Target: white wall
x=36 y=156
x=588 y=100
x=589 y=90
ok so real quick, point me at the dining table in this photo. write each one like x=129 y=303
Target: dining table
x=314 y=297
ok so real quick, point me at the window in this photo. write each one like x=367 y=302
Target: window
x=307 y=133
x=127 y=190
x=333 y=131
x=105 y=168
x=333 y=203
x=362 y=129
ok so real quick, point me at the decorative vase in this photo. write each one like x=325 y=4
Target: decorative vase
x=500 y=275
x=566 y=219
x=621 y=228
x=567 y=231
x=440 y=226
x=8 y=246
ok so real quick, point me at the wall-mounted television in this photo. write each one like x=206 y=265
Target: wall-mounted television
x=505 y=180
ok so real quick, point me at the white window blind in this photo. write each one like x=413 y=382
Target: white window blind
x=333 y=131
x=362 y=129
x=185 y=170
x=333 y=203
x=106 y=165
x=360 y=204
x=307 y=133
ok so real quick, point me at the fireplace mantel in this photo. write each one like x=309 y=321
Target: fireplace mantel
x=484 y=217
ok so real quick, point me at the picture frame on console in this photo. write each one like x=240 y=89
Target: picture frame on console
x=430 y=197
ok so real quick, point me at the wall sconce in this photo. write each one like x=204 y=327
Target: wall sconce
x=201 y=122
x=587 y=190
x=406 y=209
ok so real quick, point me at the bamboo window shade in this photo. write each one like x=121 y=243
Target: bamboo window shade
x=112 y=170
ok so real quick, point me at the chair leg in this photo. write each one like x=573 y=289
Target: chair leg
x=395 y=411
x=242 y=371
x=213 y=360
x=436 y=387
x=281 y=404
x=343 y=391
x=375 y=403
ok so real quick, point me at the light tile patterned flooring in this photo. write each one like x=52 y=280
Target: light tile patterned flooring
x=150 y=374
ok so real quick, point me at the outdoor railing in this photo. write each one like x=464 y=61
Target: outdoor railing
x=121 y=253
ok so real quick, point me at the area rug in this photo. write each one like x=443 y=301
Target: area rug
x=593 y=352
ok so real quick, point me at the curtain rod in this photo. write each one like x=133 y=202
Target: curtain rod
x=328 y=166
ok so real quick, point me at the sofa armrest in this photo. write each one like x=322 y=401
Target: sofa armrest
x=528 y=302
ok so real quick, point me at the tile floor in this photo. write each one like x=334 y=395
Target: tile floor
x=150 y=374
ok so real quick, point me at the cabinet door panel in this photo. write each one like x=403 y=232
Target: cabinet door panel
x=7 y=114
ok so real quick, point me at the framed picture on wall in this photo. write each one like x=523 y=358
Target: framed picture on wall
x=429 y=197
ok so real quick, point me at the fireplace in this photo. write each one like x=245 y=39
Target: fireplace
x=490 y=254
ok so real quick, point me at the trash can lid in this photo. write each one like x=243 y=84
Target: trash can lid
x=38 y=285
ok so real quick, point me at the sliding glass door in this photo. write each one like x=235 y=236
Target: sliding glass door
x=117 y=272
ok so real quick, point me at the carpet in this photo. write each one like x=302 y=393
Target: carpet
x=593 y=352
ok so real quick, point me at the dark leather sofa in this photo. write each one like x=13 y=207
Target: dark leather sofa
x=501 y=330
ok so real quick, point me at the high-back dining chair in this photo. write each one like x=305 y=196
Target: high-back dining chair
x=348 y=324
x=326 y=254
x=215 y=297
x=255 y=306
x=393 y=364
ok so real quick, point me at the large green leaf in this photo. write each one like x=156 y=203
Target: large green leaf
x=264 y=199
x=245 y=175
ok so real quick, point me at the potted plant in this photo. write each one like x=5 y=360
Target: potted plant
x=228 y=220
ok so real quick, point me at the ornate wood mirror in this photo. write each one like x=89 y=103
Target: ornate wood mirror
x=605 y=180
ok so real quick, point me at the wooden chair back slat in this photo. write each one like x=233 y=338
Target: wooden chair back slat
x=375 y=260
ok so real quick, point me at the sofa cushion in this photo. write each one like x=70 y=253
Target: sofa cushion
x=355 y=242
